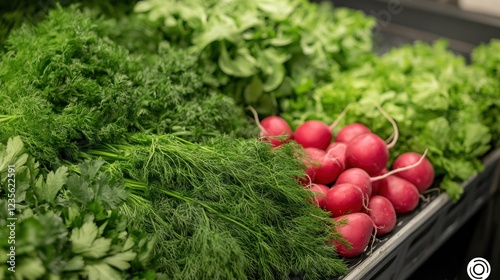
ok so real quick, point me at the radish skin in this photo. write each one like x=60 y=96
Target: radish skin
x=320 y=192
x=344 y=199
x=350 y=131
x=368 y=152
x=403 y=195
x=273 y=129
x=422 y=175
x=382 y=213
x=313 y=134
x=376 y=183
x=356 y=232
x=325 y=166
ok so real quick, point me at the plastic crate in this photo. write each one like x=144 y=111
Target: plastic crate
x=420 y=233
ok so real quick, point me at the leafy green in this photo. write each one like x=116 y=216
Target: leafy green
x=66 y=75
x=229 y=209
x=288 y=46
x=14 y=13
x=487 y=58
x=60 y=234
x=438 y=101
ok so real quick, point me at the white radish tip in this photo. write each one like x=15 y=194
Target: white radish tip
x=256 y=118
x=340 y=117
x=394 y=126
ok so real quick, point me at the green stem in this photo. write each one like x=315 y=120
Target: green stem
x=6 y=118
x=210 y=209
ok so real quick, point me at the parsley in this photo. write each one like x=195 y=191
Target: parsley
x=66 y=227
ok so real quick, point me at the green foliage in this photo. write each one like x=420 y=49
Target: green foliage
x=230 y=209
x=67 y=226
x=265 y=52
x=68 y=77
x=438 y=101
x=15 y=13
x=487 y=57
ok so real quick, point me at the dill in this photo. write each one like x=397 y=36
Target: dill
x=232 y=208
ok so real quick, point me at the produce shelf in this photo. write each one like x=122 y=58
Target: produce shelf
x=422 y=232
x=409 y=20
x=419 y=234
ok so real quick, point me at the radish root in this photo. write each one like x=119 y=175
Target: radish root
x=394 y=125
x=397 y=170
x=374 y=237
x=432 y=190
x=366 y=200
x=424 y=198
x=256 y=117
x=340 y=117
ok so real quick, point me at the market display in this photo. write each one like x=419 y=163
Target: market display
x=225 y=139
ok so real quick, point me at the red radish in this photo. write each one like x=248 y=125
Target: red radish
x=337 y=150
x=382 y=214
x=358 y=177
x=376 y=183
x=324 y=168
x=273 y=129
x=344 y=199
x=316 y=134
x=422 y=175
x=403 y=195
x=356 y=232
x=348 y=132
x=320 y=192
x=362 y=179
x=368 y=151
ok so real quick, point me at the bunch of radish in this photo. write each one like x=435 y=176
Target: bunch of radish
x=350 y=176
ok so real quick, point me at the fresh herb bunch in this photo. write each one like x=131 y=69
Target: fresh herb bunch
x=438 y=101
x=69 y=78
x=15 y=13
x=230 y=209
x=68 y=226
x=267 y=51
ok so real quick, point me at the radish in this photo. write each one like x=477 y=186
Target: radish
x=344 y=199
x=320 y=192
x=357 y=177
x=337 y=150
x=368 y=151
x=348 y=132
x=356 y=232
x=362 y=179
x=422 y=176
x=382 y=214
x=273 y=129
x=403 y=195
x=316 y=134
x=376 y=183
x=324 y=168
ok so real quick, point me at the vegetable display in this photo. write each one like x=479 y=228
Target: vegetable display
x=68 y=76
x=167 y=139
x=68 y=226
x=265 y=52
x=439 y=102
x=220 y=206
